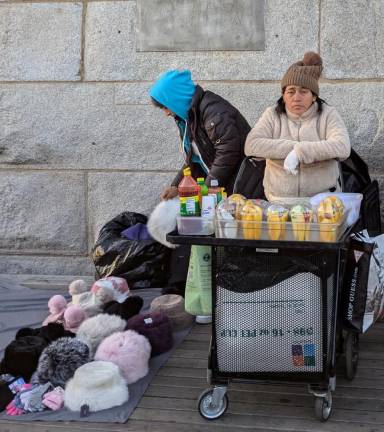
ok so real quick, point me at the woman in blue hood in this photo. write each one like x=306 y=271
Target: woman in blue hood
x=212 y=131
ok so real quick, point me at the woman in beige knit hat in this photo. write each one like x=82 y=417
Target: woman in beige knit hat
x=301 y=138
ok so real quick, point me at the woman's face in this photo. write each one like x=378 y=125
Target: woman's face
x=298 y=99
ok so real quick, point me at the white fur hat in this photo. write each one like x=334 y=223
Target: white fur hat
x=129 y=350
x=97 y=384
x=93 y=330
x=163 y=220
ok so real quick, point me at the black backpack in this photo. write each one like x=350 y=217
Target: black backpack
x=249 y=180
x=355 y=175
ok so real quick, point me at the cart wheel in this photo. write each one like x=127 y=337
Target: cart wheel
x=351 y=354
x=207 y=409
x=323 y=407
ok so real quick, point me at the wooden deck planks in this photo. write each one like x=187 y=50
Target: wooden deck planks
x=170 y=402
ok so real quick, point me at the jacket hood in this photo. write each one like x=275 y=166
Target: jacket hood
x=174 y=89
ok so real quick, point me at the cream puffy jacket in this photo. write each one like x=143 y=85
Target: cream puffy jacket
x=319 y=139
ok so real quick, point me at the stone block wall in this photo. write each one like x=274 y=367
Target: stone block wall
x=79 y=141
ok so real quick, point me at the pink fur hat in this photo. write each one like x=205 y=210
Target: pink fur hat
x=73 y=317
x=56 y=306
x=128 y=350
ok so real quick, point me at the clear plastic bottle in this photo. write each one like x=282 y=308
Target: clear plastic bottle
x=215 y=190
x=189 y=195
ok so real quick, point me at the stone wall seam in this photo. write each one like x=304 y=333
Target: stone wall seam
x=33 y=252
x=215 y=81
x=86 y=211
x=90 y=170
x=319 y=29
x=83 y=34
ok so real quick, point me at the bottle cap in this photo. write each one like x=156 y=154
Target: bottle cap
x=200 y=180
x=187 y=171
x=214 y=183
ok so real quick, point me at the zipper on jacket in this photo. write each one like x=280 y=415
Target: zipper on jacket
x=298 y=171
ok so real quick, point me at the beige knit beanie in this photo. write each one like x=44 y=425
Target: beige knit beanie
x=304 y=73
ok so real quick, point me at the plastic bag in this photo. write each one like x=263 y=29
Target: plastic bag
x=363 y=285
x=351 y=201
x=143 y=263
x=198 y=293
x=242 y=270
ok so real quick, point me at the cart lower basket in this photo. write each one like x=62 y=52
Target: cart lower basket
x=274 y=317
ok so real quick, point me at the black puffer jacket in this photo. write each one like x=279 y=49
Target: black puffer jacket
x=219 y=131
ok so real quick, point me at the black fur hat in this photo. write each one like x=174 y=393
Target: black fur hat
x=130 y=307
x=50 y=332
x=60 y=359
x=21 y=356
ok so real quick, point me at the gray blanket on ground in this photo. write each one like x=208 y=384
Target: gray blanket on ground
x=24 y=307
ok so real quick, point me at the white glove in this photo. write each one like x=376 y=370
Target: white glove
x=291 y=162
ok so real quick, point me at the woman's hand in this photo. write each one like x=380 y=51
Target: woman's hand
x=291 y=162
x=169 y=193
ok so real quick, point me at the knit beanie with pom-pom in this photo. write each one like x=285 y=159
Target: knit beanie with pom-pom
x=77 y=286
x=304 y=73
x=57 y=304
x=73 y=317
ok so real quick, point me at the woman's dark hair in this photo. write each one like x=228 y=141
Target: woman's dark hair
x=157 y=104
x=280 y=104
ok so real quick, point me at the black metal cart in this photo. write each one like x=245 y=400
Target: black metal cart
x=274 y=310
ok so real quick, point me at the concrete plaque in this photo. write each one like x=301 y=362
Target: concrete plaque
x=200 y=25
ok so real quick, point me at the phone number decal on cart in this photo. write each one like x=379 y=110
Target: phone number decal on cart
x=249 y=333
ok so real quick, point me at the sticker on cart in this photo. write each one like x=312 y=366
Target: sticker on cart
x=275 y=329
x=297 y=355
x=303 y=355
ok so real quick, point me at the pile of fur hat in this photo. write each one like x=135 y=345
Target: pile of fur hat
x=88 y=349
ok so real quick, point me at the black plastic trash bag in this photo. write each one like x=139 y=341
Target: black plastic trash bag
x=143 y=263
x=241 y=270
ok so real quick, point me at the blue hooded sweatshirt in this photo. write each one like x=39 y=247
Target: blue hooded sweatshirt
x=175 y=89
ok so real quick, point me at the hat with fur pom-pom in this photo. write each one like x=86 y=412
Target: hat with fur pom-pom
x=56 y=306
x=305 y=73
x=73 y=317
x=77 y=286
x=129 y=350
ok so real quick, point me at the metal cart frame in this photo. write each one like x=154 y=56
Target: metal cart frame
x=213 y=402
